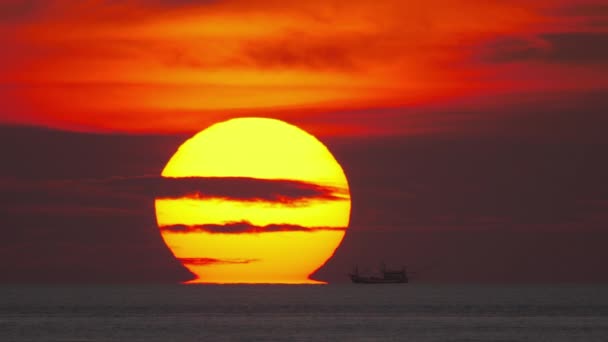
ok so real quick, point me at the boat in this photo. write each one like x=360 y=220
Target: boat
x=388 y=276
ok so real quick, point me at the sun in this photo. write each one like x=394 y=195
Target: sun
x=259 y=201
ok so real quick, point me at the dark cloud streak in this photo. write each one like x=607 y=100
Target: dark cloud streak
x=243 y=227
x=229 y=188
x=566 y=47
x=213 y=261
x=304 y=53
x=585 y=10
x=117 y=195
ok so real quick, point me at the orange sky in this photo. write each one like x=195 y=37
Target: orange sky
x=166 y=67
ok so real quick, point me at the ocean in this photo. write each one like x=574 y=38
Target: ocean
x=341 y=312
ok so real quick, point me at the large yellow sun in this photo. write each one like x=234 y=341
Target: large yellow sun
x=260 y=201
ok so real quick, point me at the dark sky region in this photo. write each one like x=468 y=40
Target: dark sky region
x=508 y=206
x=473 y=133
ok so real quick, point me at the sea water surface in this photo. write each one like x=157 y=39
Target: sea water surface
x=344 y=312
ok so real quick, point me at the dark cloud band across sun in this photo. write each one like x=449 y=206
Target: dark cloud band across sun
x=235 y=189
x=243 y=227
x=119 y=191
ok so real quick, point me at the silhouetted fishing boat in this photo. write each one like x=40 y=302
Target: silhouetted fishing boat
x=388 y=276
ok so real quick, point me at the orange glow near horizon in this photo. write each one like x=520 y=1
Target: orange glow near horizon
x=305 y=234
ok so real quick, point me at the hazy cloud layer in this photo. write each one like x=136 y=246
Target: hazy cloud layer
x=526 y=192
x=229 y=58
